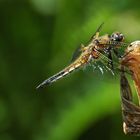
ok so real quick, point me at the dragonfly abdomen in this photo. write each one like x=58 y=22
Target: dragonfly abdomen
x=52 y=79
x=60 y=75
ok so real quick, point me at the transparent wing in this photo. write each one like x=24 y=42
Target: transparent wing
x=102 y=63
x=77 y=52
x=96 y=34
x=79 y=49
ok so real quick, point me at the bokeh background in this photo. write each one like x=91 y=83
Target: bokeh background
x=37 y=39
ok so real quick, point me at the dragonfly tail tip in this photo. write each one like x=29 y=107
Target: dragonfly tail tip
x=38 y=87
x=43 y=84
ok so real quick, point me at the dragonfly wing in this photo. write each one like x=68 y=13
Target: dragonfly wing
x=77 y=52
x=96 y=34
x=105 y=60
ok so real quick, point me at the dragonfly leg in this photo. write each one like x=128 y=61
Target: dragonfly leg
x=108 y=51
x=110 y=63
x=83 y=48
x=117 y=54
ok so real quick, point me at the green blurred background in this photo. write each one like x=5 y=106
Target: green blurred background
x=37 y=39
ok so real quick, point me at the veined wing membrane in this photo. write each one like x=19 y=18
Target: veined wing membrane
x=77 y=52
x=80 y=49
x=96 y=34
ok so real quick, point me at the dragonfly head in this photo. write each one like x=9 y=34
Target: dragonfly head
x=117 y=37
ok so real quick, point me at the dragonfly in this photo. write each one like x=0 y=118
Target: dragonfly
x=95 y=49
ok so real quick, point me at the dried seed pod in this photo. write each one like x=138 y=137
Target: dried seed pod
x=130 y=111
x=132 y=61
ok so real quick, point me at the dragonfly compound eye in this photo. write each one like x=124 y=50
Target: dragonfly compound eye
x=117 y=37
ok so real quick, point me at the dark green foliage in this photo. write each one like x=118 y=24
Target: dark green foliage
x=37 y=39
